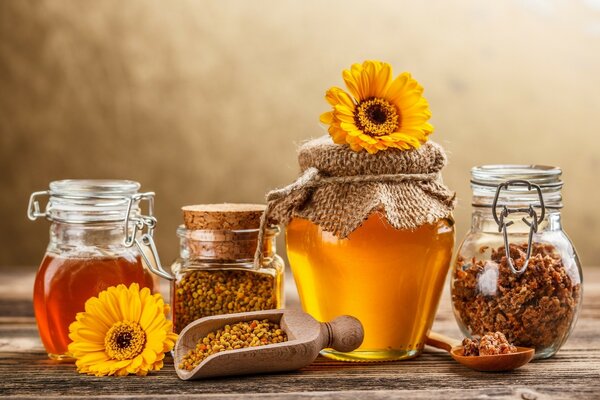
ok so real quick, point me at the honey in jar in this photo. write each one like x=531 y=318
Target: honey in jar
x=390 y=279
x=63 y=284
x=90 y=249
x=371 y=236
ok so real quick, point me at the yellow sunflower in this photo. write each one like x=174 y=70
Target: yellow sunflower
x=122 y=331
x=380 y=112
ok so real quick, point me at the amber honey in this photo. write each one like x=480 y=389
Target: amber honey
x=390 y=279
x=63 y=284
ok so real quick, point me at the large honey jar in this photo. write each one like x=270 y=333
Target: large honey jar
x=370 y=235
x=96 y=233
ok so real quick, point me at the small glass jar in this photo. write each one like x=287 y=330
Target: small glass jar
x=216 y=274
x=516 y=271
x=95 y=224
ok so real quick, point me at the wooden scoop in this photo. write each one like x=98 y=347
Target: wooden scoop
x=306 y=337
x=493 y=363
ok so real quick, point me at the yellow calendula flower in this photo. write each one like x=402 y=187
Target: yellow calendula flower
x=380 y=112
x=122 y=331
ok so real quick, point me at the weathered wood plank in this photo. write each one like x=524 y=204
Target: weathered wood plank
x=25 y=372
x=570 y=372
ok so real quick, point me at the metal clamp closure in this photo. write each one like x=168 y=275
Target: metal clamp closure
x=33 y=209
x=532 y=223
x=145 y=243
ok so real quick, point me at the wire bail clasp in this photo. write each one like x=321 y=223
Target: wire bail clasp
x=145 y=243
x=531 y=213
x=33 y=209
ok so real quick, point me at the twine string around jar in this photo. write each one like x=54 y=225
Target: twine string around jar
x=313 y=178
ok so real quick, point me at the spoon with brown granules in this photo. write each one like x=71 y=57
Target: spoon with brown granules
x=487 y=363
x=305 y=338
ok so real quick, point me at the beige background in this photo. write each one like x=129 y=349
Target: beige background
x=205 y=101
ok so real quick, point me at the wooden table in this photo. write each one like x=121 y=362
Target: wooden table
x=574 y=372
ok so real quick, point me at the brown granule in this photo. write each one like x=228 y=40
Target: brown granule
x=233 y=337
x=471 y=346
x=492 y=343
x=535 y=309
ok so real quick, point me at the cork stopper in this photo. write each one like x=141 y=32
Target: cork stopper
x=211 y=230
x=226 y=216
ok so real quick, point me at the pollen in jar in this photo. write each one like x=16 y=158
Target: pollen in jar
x=202 y=293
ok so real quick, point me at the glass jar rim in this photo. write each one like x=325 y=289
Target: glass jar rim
x=495 y=174
x=83 y=201
x=93 y=187
x=516 y=184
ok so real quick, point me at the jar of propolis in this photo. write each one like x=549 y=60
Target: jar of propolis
x=369 y=235
x=97 y=239
x=516 y=270
x=215 y=272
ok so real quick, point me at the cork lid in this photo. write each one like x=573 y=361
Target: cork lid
x=226 y=216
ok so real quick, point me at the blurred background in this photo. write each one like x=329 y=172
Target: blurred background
x=206 y=101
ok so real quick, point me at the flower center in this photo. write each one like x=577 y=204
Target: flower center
x=124 y=340
x=376 y=117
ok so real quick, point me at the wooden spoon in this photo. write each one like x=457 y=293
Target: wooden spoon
x=306 y=337
x=493 y=363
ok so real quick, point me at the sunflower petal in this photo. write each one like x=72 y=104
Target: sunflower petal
x=326 y=117
x=344 y=118
x=135 y=304
x=349 y=126
x=94 y=357
x=91 y=335
x=110 y=302
x=382 y=80
x=95 y=307
x=343 y=109
x=352 y=84
x=148 y=314
x=149 y=356
x=85 y=347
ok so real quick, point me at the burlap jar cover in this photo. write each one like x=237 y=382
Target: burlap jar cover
x=340 y=188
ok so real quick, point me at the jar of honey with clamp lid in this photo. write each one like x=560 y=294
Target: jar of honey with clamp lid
x=98 y=239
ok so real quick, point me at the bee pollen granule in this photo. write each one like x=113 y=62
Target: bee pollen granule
x=232 y=337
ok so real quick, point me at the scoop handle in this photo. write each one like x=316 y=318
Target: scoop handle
x=344 y=333
x=441 y=341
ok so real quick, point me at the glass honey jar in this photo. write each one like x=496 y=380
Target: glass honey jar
x=215 y=272
x=390 y=279
x=94 y=227
x=369 y=235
